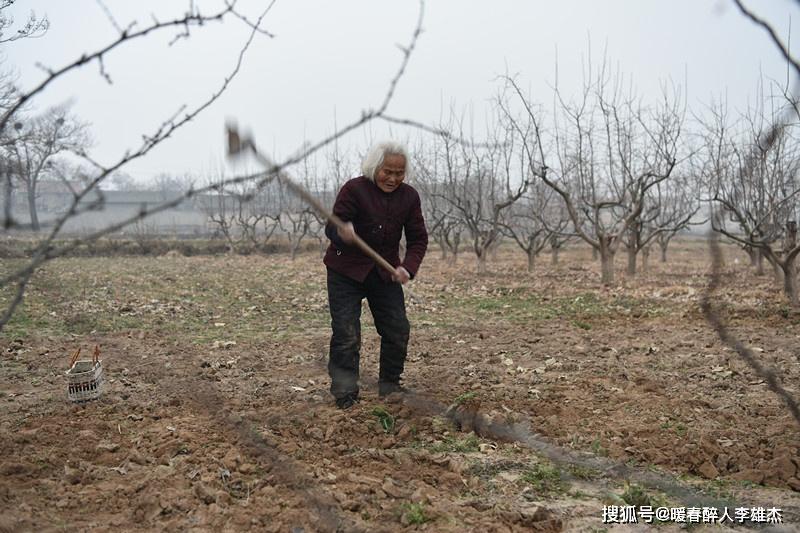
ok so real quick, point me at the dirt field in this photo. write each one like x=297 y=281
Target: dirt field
x=540 y=398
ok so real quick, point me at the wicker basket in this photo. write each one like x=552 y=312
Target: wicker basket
x=85 y=378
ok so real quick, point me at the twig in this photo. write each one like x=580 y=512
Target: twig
x=45 y=250
x=125 y=36
x=774 y=36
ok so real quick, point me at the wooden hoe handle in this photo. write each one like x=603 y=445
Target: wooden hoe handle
x=236 y=145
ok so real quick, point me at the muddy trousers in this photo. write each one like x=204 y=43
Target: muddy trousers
x=388 y=309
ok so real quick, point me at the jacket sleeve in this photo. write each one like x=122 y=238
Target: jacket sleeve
x=345 y=208
x=416 y=237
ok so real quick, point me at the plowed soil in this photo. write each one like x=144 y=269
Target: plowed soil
x=539 y=398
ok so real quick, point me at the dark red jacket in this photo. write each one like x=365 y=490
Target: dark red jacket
x=379 y=218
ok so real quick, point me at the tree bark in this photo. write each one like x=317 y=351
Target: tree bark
x=777 y=271
x=453 y=245
x=632 y=253
x=481 y=264
x=790 y=281
x=646 y=258
x=789 y=268
x=554 y=254
x=493 y=250
x=753 y=254
x=635 y=236
x=531 y=259
x=664 y=247
x=606 y=261
x=759 y=262
x=32 y=207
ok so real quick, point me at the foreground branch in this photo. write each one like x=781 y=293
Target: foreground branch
x=47 y=251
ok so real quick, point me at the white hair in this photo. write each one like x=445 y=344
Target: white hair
x=377 y=154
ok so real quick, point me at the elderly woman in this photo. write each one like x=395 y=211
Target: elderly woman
x=378 y=207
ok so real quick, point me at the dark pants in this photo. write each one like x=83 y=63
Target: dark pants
x=388 y=309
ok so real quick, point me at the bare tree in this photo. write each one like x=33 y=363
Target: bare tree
x=295 y=219
x=443 y=225
x=537 y=222
x=609 y=150
x=122 y=181
x=678 y=204
x=557 y=242
x=222 y=208
x=752 y=167
x=668 y=208
x=719 y=163
x=481 y=182
x=170 y=184
x=296 y=224
x=8 y=137
x=39 y=141
x=244 y=214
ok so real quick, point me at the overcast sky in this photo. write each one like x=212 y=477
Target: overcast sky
x=329 y=60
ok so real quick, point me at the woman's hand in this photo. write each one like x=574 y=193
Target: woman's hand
x=401 y=275
x=347 y=233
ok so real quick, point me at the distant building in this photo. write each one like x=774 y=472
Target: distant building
x=101 y=209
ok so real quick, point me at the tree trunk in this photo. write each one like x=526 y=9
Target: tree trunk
x=646 y=258
x=32 y=207
x=790 y=281
x=777 y=270
x=753 y=253
x=554 y=254
x=606 y=261
x=789 y=269
x=635 y=236
x=495 y=246
x=595 y=254
x=481 y=257
x=663 y=246
x=531 y=259
x=632 y=253
x=759 y=262
x=454 y=249
x=442 y=242
x=228 y=239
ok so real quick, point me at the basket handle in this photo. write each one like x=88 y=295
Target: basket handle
x=96 y=354
x=75 y=357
